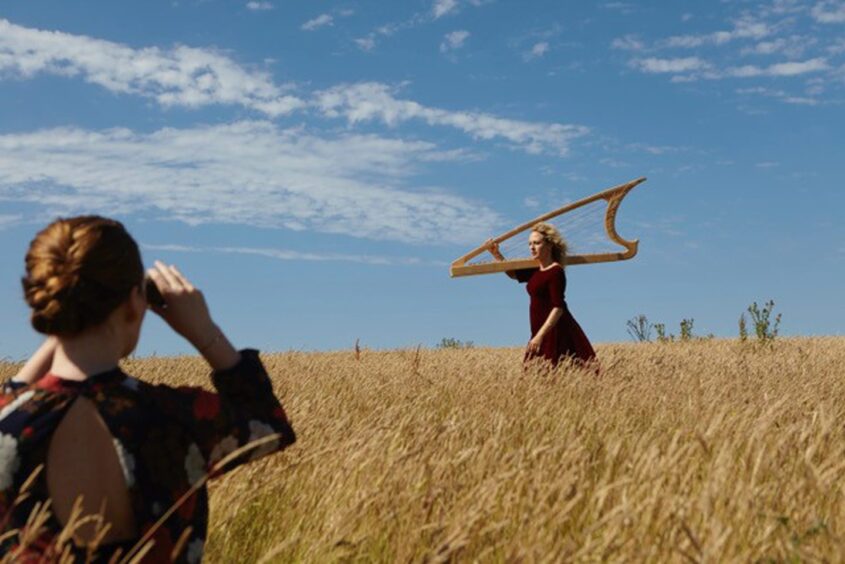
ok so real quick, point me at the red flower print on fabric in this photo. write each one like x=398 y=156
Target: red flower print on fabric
x=206 y=405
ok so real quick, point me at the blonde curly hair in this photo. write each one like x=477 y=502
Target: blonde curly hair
x=552 y=235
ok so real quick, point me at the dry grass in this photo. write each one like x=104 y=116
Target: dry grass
x=699 y=451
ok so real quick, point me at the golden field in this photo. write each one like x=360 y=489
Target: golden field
x=702 y=451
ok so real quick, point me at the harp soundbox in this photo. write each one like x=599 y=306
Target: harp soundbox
x=477 y=262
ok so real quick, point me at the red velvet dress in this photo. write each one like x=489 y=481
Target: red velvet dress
x=566 y=338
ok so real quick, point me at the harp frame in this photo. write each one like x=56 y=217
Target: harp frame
x=613 y=196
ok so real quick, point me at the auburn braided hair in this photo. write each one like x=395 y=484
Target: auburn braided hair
x=78 y=270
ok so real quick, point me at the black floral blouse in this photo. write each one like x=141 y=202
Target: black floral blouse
x=166 y=439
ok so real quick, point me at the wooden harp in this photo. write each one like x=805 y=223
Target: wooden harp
x=467 y=266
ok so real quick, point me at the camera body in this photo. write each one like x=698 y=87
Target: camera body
x=154 y=297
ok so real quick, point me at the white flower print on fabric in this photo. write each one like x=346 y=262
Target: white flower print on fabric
x=9 y=461
x=195 y=550
x=127 y=463
x=223 y=448
x=258 y=430
x=194 y=464
x=18 y=401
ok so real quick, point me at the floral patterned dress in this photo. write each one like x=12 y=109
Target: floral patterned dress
x=166 y=438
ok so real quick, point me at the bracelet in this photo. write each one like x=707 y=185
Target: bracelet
x=214 y=340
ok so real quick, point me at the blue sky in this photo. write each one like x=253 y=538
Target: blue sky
x=316 y=166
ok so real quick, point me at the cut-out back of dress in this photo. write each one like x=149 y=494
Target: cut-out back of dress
x=82 y=460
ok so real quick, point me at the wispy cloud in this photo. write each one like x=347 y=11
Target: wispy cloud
x=621 y=7
x=195 y=77
x=322 y=20
x=259 y=6
x=745 y=28
x=537 y=51
x=291 y=255
x=366 y=43
x=829 y=11
x=628 y=43
x=654 y=149
x=779 y=94
x=441 y=8
x=792 y=68
x=793 y=46
x=181 y=76
x=656 y=65
x=371 y=101
x=694 y=68
x=247 y=173
x=8 y=220
x=454 y=40
x=777 y=29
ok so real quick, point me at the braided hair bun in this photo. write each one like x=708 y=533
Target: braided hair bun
x=78 y=270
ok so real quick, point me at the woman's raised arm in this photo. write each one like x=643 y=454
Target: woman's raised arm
x=493 y=248
x=187 y=313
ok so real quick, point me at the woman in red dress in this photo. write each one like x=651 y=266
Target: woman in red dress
x=554 y=332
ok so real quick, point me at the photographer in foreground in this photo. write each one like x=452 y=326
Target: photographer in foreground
x=131 y=450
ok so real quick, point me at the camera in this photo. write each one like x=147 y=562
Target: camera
x=154 y=297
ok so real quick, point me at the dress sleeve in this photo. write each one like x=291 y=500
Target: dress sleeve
x=524 y=275
x=243 y=410
x=557 y=287
x=11 y=386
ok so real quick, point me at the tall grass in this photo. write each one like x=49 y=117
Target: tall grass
x=707 y=450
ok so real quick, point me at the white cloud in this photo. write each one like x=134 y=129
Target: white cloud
x=744 y=28
x=538 y=50
x=182 y=76
x=792 y=68
x=443 y=7
x=322 y=20
x=9 y=220
x=655 y=65
x=531 y=202
x=837 y=47
x=780 y=95
x=793 y=46
x=259 y=6
x=370 y=101
x=801 y=100
x=439 y=8
x=291 y=255
x=453 y=40
x=621 y=7
x=628 y=43
x=247 y=173
x=829 y=11
x=366 y=43
x=693 y=68
x=786 y=29
x=653 y=149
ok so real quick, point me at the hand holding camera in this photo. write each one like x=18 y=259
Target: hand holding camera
x=183 y=307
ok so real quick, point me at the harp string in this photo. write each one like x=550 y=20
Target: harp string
x=582 y=228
